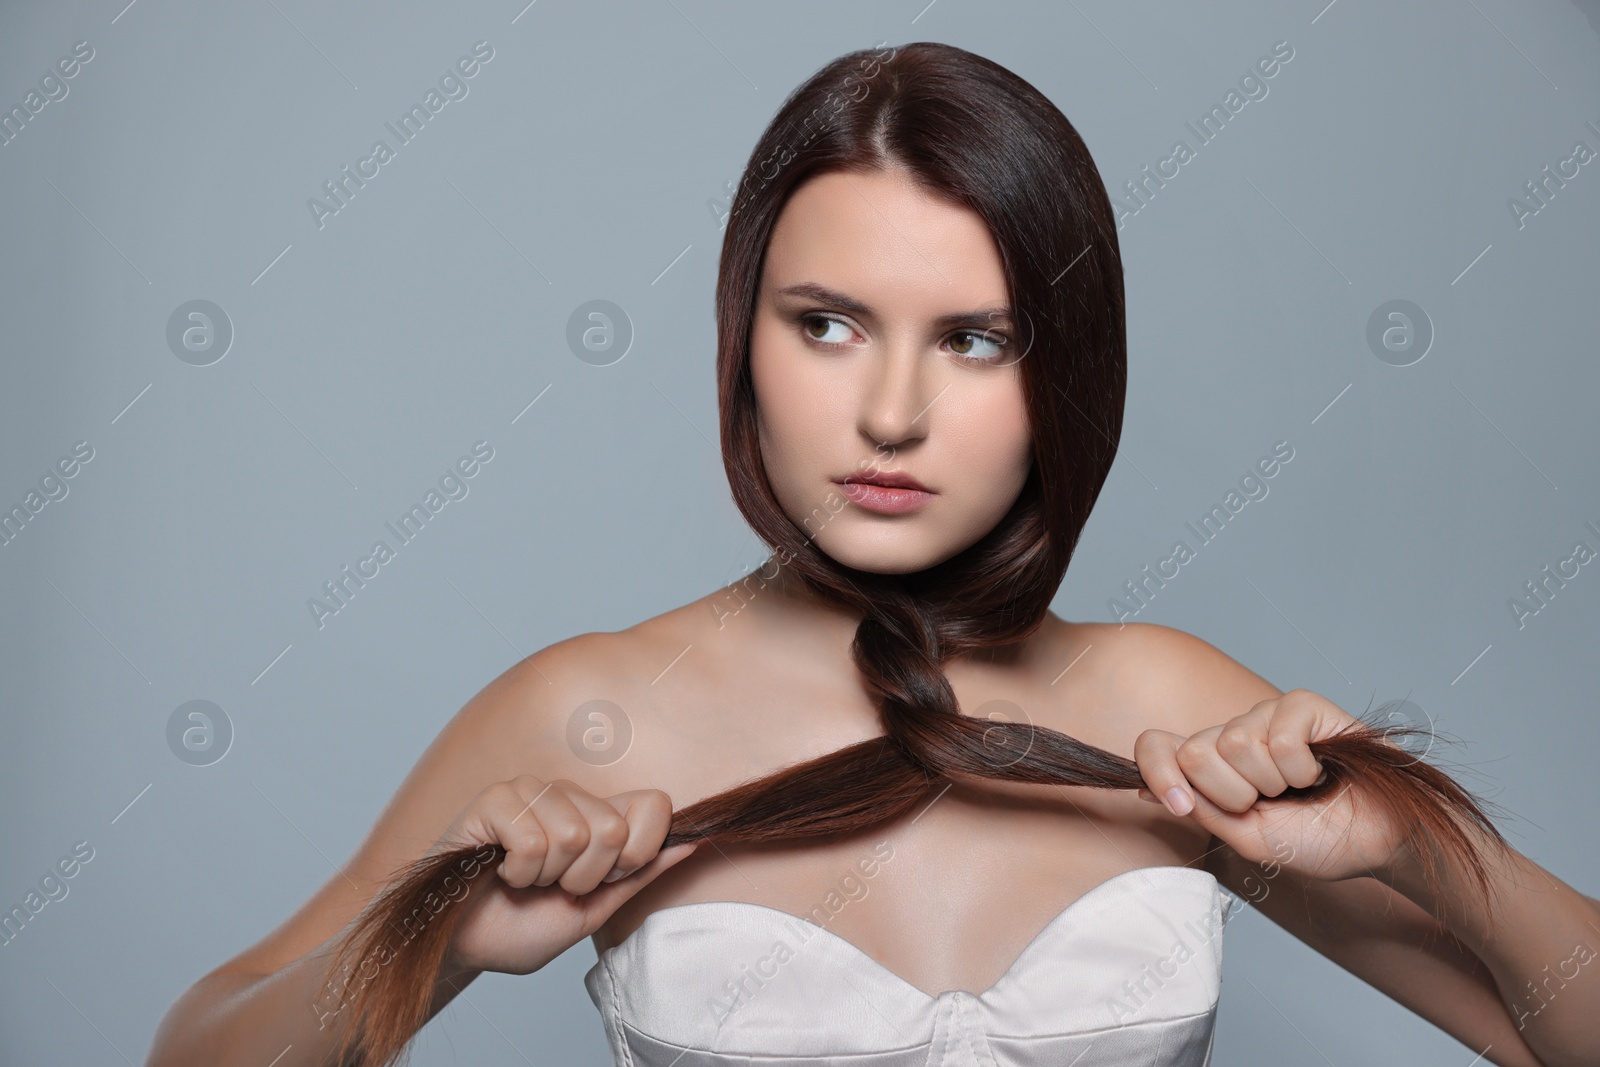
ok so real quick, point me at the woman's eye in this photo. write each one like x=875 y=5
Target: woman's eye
x=977 y=345
x=817 y=328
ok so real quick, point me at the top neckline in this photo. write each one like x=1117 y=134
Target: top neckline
x=1159 y=872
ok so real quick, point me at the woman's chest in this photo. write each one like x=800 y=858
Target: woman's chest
x=948 y=896
x=1128 y=972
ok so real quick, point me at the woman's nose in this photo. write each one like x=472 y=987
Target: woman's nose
x=894 y=408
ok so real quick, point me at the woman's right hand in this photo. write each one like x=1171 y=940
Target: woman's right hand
x=551 y=892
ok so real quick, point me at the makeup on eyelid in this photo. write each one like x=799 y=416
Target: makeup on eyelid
x=999 y=341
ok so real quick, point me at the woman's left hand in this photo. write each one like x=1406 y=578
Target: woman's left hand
x=1229 y=774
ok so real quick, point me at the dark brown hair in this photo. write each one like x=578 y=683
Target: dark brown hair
x=972 y=132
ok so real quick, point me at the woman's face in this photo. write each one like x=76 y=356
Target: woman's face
x=883 y=344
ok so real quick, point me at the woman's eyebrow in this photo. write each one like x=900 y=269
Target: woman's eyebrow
x=823 y=295
x=991 y=316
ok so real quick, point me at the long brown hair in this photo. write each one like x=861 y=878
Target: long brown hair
x=973 y=132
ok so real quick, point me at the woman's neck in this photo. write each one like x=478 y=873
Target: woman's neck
x=786 y=604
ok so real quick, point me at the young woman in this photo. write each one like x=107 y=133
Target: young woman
x=876 y=801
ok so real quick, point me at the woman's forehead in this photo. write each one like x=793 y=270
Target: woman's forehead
x=882 y=240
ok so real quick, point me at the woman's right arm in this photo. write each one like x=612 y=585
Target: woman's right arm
x=232 y=1016
x=472 y=785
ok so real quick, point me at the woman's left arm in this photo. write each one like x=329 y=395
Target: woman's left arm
x=1518 y=973
x=1400 y=948
x=1536 y=938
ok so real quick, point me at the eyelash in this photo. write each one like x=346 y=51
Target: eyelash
x=977 y=361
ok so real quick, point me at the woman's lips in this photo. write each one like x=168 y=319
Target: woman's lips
x=884 y=499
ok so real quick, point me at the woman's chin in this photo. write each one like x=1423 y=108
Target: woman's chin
x=877 y=555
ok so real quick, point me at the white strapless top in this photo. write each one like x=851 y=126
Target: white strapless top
x=1129 y=973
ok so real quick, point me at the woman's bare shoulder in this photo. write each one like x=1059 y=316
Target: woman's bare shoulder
x=573 y=710
x=626 y=658
x=601 y=707
x=1160 y=677
x=596 y=663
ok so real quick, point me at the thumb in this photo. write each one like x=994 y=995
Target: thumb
x=1230 y=828
x=607 y=897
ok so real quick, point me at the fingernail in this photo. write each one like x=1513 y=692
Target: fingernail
x=1179 y=801
x=616 y=872
x=1145 y=794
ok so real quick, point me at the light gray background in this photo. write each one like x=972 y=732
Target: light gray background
x=586 y=163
